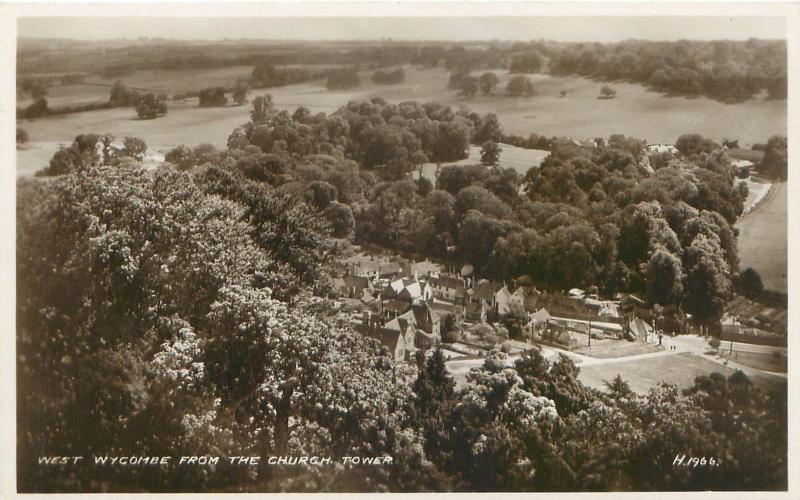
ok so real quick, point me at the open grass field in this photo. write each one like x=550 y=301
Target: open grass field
x=512 y=157
x=96 y=88
x=679 y=369
x=606 y=348
x=776 y=362
x=763 y=239
x=634 y=111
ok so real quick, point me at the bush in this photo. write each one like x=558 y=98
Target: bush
x=341 y=79
x=213 y=97
x=520 y=86
x=150 y=107
x=607 y=92
x=389 y=77
x=22 y=136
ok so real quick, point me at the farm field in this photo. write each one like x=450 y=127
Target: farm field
x=679 y=369
x=96 y=88
x=763 y=239
x=580 y=114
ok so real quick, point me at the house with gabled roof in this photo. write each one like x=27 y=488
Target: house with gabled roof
x=486 y=291
x=476 y=311
x=505 y=299
x=400 y=340
x=390 y=270
x=394 y=308
x=408 y=290
x=354 y=286
x=449 y=288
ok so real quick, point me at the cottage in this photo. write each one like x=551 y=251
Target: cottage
x=366 y=269
x=444 y=308
x=394 y=308
x=476 y=311
x=505 y=299
x=486 y=291
x=399 y=338
x=425 y=268
x=407 y=290
x=536 y=323
x=354 y=286
x=390 y=270
x=448 y=288
x=421 y=319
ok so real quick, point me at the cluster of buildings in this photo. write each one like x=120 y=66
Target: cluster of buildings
x=406 y=307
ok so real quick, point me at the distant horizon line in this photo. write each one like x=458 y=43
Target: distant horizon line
x=391 y=39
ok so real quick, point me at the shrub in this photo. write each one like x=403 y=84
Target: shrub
x=213 y=97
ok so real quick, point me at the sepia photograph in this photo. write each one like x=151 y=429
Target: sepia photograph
x=403 y=251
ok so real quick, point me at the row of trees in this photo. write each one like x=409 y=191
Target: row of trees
x=725 y=70
x=389 y=77
x=91 y=150
x=468 y=85
x=343 y=79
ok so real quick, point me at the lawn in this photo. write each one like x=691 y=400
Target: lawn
x=604 y=349
x=763 y=239
x=635 y=111
x=776 y=363
x=519 y=159
x=680 y=369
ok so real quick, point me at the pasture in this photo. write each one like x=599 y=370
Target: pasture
x=580 y=114
x=763 y=239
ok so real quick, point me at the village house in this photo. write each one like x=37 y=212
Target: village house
x=390 y=270
x=449 y=288
x=407 y=289
x=399 y=339
x=443 y=308
x=394 y=308
x=476 y=311
x=505 y=299
x=486 y=291
x=353 y=286
x=367 y=269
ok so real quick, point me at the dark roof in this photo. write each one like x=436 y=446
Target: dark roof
x=386 y=336
x=438 y=306
x=473 y=308
x=396 y=305
x=490 y=285
x=484 y=293
x=447 y=282
x=357 y=282
x=421 y=318
x=390 y=268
